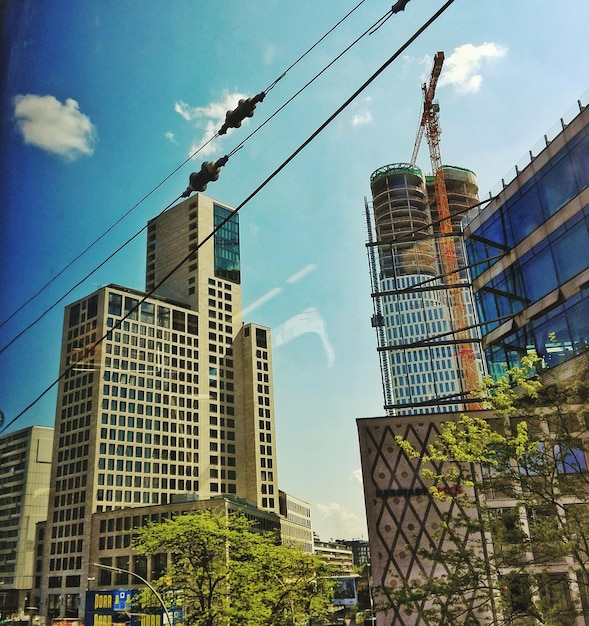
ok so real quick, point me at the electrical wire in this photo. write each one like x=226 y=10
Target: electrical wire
x=290 y=67
x=162 y=182
x=231 y=153
x=235 y=211
x=80 y=282
x=312 y=80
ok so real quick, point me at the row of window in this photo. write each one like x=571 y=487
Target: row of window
x=79 y=381
x=150 y=331
x=65 y=530
x=68 y=513
x=152 y=314
x=68 y=425
x=61 y=563
x=127 y=496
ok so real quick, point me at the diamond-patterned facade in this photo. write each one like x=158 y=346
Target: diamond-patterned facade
x=402 y=516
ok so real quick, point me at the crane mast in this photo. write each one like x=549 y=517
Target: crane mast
x=430 y=125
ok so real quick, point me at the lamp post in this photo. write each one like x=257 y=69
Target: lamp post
x=155 y=593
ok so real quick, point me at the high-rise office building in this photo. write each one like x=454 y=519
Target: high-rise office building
x=423 y=307
x=25 y=457
x=164 y=392
x=295 y=523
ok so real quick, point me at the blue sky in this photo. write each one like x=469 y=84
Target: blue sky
x=101 y=101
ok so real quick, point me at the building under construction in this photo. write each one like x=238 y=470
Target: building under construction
x=423 y=310
x=423 y=313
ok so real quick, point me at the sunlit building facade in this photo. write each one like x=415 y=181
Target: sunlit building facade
x=163 y=393
x=25 y=458
x=528 y=248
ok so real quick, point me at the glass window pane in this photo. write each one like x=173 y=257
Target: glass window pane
x=539 y=275
x=525 y=215
x=566 y=252
x=580 y=160
x=558 y=186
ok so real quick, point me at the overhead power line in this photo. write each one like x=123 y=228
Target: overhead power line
x=235 y=211
x=209 y=171
x=37 y=293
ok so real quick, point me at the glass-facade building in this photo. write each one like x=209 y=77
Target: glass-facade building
x=529 y=253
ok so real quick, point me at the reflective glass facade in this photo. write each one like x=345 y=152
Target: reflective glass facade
x=529 y=252
x=227 y=264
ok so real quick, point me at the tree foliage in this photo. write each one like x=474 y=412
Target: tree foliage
x=221 y=571
x=517 y=548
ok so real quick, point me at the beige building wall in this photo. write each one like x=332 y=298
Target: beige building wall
x=253 y=350
x=25 y=458
x=162 y=393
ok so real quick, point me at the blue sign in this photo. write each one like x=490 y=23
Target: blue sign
x=121 y=599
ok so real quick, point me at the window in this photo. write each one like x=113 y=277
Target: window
x=570 y=458
x=178 y=320
x=74 y=315
x=131 y=308
x=163 y=317
x=147 y=312
x=115 y=303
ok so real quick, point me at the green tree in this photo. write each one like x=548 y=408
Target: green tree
x=222 y=571
x=525 y=561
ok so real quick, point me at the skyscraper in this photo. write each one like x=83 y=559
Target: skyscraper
x=423 y=308
x=164 y=392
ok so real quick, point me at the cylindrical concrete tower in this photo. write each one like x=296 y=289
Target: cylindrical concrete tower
x=401 y=219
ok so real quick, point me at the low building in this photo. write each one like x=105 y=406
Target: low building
x=295 y=522
x=336 y=555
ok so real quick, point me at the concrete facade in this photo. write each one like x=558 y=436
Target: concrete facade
x=25 y=458
x=163 y=393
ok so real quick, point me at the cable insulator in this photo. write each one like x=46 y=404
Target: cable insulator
x=399 y=6
x=209 y=172
x=245 y=108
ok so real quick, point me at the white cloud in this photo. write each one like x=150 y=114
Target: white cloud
x=207 y=119
x=357 y=477
x=342 y=524
x=362 y=115
x=57 y=128
x=462 y=68
x=170 y=137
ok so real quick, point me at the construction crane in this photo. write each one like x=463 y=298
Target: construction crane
x=430 y=125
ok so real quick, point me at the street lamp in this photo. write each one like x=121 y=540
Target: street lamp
x=155 y=593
